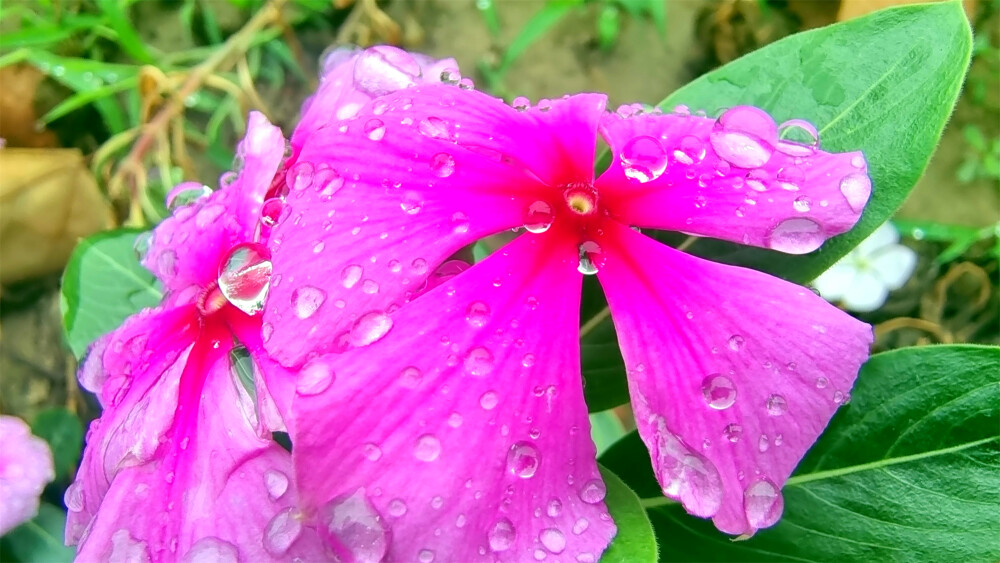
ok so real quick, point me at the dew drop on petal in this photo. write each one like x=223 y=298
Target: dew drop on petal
x=381 y=70
x=307 y=300
x=643 y=159
x=593 y=491
x=757 y=180
x=397 y=508
x=245 y=277
x=270 y=211
x=763 y=503
x=370 y=327
x=375 y=129
x=791 y=178
x=314 y=378
x=797 y=235
x=776 y=405
x=206 y=550
x=477 y=314
x=802 y=204
x=502 y=535
x=428 y=448
x=351 y=275
x=488 y=400
x=142 y=244
x=523 y=460
x=763 y=443
x=822 y=382
x=282 y=531
x=684 y=474
x=856 y=189
x=690 y=150
x=732 y=432
x=580 y=526
x=443 y=164
x=554 y=508
x=798 y=138
x=327 y=182
x=372 y=452
x=553 y=540
x=276 y=483
x=592 y=258
x=186 y=193
x=479 y=361
x=433 y=127
x=355 y=525
x=719 y=391
x=299 y=176
x=736 y=342
x=425 y=556
x=538 y=217
x=744 y=136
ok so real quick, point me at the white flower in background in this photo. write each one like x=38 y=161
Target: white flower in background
x=862 y=280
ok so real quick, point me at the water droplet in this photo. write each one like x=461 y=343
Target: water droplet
x=314 y=378
x=479 y=361
x=382 y=70
x=580 y=526
x=838 y=397
x=489 y=400
x=434 y=127
x=372 y=452
x=858 y=161
x=502 y=535
x=276 y=483
x=443 y=164
x=245 y=277
x=591 y=258
x=776 y=405
x=719 y=391
x=798 y=138
x=327 y=181
x=186 y=193
x=282 y=531
x=523 y=460
x=425 y=556
x=411 y=203
x=538 y=217
x=528 y=360
x=822 y=382
x=375 y=129
x=357 y=526
x=370 y=287
x=370 y=327
x=553 y=540
x=797 y=235
x=643 y=159
x=686 y=475
x=802 y=204
x=791 y=178
x=459 y=223
x=299 y=176
x=477 y=314
x=307 y=300
x=856 y=189
x=593 y=491
x=455 y=420
x=428 y=448
x=736 y=342
x=757 y=180
x=270 y=211
x=763 y=443
x=351 y=275
x=142 y=244
x=732 y=432
x=690 y=150
x=554 y=508
x=397 y=508
x=521 y=103
x=763 y=503
x=744 y=136
x=74 y=497
x=206 y=550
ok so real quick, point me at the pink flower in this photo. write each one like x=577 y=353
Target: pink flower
x=453 y=427
x=25 y=468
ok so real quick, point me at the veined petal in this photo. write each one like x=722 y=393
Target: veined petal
x=733 y=374
x=352 y=77
x=467 y=439
x=25 y=468
x=417 y=175
x=710 y=178
x=215 y=490
x=188 y=246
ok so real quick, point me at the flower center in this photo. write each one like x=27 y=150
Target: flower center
x=581 y=198
x=211 y=300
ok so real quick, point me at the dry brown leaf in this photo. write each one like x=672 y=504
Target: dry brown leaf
x=48 y=201
x=18 y=89
x=856 y=8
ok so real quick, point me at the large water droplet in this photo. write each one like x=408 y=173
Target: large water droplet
x=686 y=475
x=351 y=275
x=245 y=277
x=732 y=432
x=744 y=136
x=763 y=503
x=270 y=211
x=736 y=342
x=397 y=508
x=357 y=526
x=856 y=189
x=690 y=150
x=299 y=176
x=538 y=217
x=523 y=460
x=797 y=235
x=502 y=535
x=381 y=70
x=798 y=138
x=553 y=540
x=802 y=204
x=411 y=203
x=276 y=483
x=477 y=314
x=206 y=550
x=479 y=361
x=488 y=400
x=327 y=182
x=591 y=258
x=443 y=164
x=370 y=327
x=428 y=448
x=282 y=531
x=593 y=491
x=719 y=391
x=553 y=508
x=314 y=378
x=375 y=129
x=643 y=159
x=186 y=193
x=307 y=300
x=776 y=405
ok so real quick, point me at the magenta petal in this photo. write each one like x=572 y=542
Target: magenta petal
x=417 y=175
x=733 y=374
x=461 y=434
x=25 y=468
x=188 y=246
x=215 y=489
x=713 y=178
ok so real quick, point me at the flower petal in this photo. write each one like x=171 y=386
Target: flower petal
x=866 y=293
x=25 y=468
x=836 y=281
x=733 y=374
x=188 y=246
x=669 y=172
x=894 y=265
x=419 y=174
x=215 y=489
x=468 y=438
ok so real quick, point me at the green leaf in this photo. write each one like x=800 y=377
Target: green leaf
x=64 y=433
x=103 y=285
x=550 y=14
x=899 y=475
x=884 y=84
x=635 y=542
x=128 y=38
x=605 y=430
x=39 y=539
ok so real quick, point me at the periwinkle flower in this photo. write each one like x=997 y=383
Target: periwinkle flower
x=25 y=468
x=451 y=423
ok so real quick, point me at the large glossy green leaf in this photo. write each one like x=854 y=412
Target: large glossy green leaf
x=635 y=542
x=63 y=431
x=883 y=84
x=908 y=471
x=104 y=284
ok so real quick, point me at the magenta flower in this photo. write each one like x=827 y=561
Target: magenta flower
x=25 y=468
x=453 y=426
